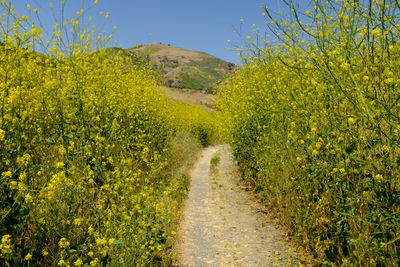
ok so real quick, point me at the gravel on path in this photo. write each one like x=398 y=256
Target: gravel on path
x=222 y=224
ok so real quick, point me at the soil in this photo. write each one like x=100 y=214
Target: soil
x=222 y=223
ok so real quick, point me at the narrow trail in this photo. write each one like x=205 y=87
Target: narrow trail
x=222 y=224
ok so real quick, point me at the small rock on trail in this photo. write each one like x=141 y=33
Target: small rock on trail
x=222 y=224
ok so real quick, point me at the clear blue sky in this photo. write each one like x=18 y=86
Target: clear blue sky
x=203 y=25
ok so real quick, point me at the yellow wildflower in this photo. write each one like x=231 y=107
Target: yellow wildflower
x=28 y=198
x=5 y=246
x=94 y=262
x=2 y=134
x=59 y=165
x=28 y=257
x=345 y=66
x=379 y=177
x=63 y=243
x=22 y=176
x=351 y=120
x=6 y=174
x=376 y=32
x=101 y=241
x=78 y=262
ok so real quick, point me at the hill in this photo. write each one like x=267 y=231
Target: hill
x=182 y=68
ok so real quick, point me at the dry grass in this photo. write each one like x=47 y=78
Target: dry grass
x=156 y=51
x=192 y=96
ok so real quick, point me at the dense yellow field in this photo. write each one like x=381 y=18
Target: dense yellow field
x=92 y=154
x=316 y=127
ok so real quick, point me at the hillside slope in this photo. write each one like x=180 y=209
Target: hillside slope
x=182 y=68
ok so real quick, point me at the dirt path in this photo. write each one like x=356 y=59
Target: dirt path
x=223 y=225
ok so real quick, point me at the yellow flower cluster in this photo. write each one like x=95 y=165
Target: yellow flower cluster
x=5 y=245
